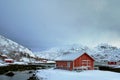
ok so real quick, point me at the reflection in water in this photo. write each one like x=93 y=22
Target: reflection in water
x=24 y=75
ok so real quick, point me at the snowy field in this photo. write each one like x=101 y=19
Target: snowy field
x=55 y=74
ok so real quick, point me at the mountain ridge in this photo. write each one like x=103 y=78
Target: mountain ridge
x=101 y=52
x=13 y=49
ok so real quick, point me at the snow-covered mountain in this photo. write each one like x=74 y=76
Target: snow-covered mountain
x=13 y=49
x=55 y=52
x=99 y=53
x=107 y=52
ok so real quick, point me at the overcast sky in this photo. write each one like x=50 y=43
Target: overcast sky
x=42 y=24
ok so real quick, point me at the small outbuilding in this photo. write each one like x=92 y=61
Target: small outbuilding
x=3 y=57
x=112 y=63
x=74 y=61
x=9 y=60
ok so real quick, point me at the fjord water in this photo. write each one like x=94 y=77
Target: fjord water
x=23 y=75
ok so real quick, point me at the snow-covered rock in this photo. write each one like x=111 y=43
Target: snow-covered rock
x=106 y=52
x=1 y=64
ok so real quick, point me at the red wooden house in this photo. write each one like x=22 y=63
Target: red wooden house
x=9 y=60
x=112 y=63
x=74 y=61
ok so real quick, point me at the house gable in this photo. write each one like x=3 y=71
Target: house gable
x=87 y=56
x=84 y=60
x=76 y=62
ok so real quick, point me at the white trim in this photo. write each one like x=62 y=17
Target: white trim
x=86 y=62
x=73 y=64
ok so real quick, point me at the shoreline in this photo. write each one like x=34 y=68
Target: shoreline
x=4 y=69
x=19 y=75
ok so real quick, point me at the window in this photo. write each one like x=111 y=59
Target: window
x=68 y=64
x=86 y=63
x=89 y=62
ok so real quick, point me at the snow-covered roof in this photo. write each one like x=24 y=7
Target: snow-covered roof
x=50 y=61
x=9 y=59
x=70 y=56
x=4 y=55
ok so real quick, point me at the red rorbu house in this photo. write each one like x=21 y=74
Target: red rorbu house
x=75 y=61
x=112 y=63
x=9 y=60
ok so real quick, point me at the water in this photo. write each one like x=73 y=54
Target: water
x=24 y=75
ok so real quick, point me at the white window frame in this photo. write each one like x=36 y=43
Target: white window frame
x=87 y=62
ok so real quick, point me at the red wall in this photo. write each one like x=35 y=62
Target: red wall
x=63 y=65
x=112 y=63
x=9 y=61
x=78 y=61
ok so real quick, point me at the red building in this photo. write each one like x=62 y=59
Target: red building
x=112 y=62
x=74 y=61
x=9 y=60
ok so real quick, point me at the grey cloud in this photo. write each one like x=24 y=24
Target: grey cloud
x=49 y=23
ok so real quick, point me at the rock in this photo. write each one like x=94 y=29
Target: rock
x=32 y=78
x=10 y=74
x=30 y=72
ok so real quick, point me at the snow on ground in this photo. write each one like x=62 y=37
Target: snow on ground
x=3 y=64
x=55 y=74
x=50 y=61
x=21 y=63
x=24 y=59
x=18 y=63
x=116 y=67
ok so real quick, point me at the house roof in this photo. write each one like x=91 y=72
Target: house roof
x=9 y=59
x=4 y=55
x=71 y=56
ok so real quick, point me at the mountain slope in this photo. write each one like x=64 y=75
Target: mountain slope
x=13 y=49
x=99 y=53
x=107 y=52
x=53 y=53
